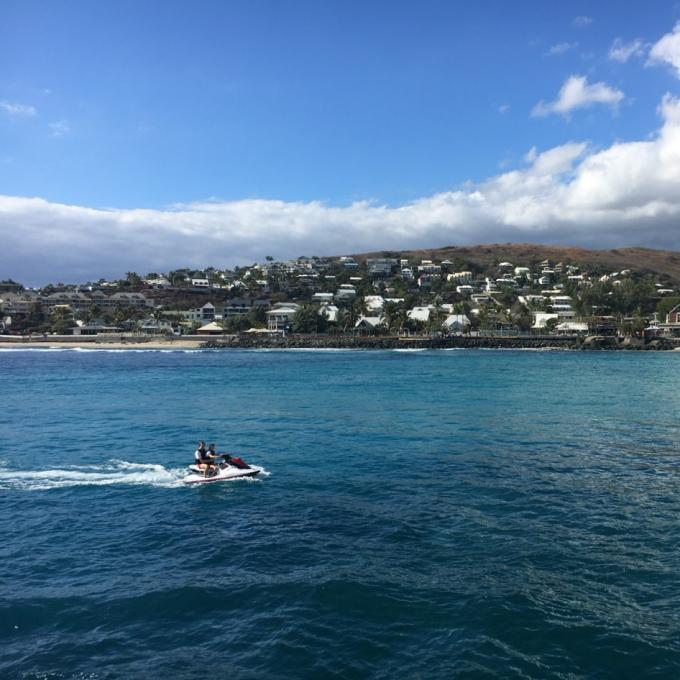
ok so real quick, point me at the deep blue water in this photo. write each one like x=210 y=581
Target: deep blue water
x=426 y=515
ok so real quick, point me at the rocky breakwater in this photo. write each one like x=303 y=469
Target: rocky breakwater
x=391 y=342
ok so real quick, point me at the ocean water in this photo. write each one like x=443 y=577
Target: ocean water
x=429 y=514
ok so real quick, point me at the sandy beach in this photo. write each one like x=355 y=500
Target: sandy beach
x=60 y=344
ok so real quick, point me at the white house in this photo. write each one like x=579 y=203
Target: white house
x=152 y=326
x=542 y=318
x=568 y=327
x=280 y=317
x=322 y=297
x=456 y=323
x=460 y=277
x=420 y=314
x=200 y=283
x=369 y=323
x=329 y=311
x=201 y=314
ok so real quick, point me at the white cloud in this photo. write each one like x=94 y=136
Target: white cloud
x=667 y=50
x=582 y=21
x=59 y=128
x=627 y=194
x=621 y=51
x=16 y=109
x=503 y=108
x=561 y=48
x=577 y=93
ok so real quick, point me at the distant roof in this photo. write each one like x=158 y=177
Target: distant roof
x=212 y=326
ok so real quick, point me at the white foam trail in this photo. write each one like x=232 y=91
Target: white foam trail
x=115 y=472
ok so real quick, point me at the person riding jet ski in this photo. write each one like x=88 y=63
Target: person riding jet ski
x=228 y=459
x=205 y=460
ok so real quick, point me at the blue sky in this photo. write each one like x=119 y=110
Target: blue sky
x=130 y=108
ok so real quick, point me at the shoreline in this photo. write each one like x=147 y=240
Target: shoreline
x=61 y=344
x=592 y=343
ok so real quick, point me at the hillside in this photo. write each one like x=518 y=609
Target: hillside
x=664 y=264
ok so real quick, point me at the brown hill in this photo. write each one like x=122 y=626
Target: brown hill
x=663 y=264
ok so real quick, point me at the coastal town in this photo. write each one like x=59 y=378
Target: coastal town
x=401 y=296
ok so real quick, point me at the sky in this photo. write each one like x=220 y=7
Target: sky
x=145 y=136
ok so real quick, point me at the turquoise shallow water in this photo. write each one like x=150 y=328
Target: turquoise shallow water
x=426 y=515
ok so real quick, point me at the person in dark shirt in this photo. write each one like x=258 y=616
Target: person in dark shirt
x=204 y=461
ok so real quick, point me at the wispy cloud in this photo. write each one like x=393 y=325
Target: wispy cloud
x=577 y=93
x=59 y=128
x=16 y=109
x=622 y=51
x=561 y=48
x=667 y=50
x=503 y=108
x=582 y=21
x=626 y=194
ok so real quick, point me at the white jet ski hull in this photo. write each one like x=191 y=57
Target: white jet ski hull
x=223 y=474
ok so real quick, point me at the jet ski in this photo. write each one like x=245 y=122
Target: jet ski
x=222 y=473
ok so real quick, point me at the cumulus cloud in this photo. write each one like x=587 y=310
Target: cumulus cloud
x=16 y=109
x=577 y=93
x=667 y=50
x=622 y=51
x=627 y=194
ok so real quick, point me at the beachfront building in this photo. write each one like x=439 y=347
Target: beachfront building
x=212 y=328
x=151 y=326
x=280 y=316
x=236 y=307
x=330 y=312
x=672 y=325
x=540 y=319
x=673 y=317
x=456 y=323
x=420 y=313
x=202 y=314
x=369 y=323
x=95 y=327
